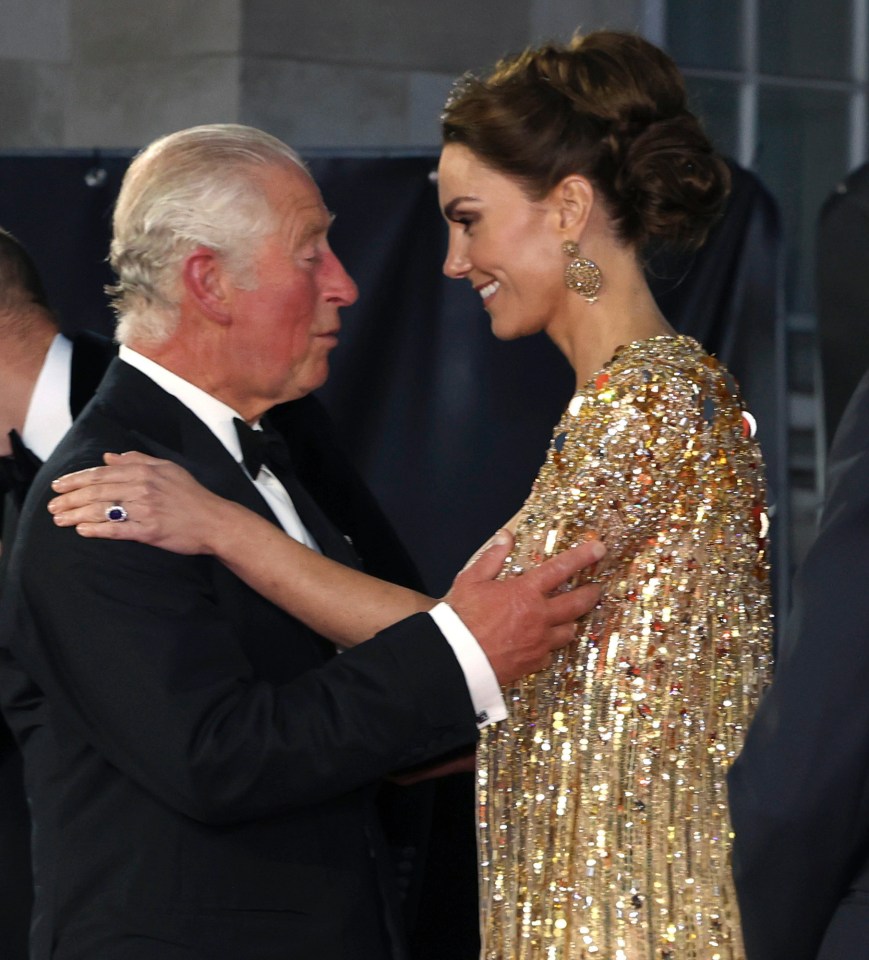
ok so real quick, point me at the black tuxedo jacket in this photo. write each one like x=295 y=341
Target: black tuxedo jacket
x=799 y=792
x=91 y=355
x=199 y=763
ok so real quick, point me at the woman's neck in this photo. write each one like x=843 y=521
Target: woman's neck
x=626 y=311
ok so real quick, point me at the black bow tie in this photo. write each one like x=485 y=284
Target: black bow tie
x=264 y=447
x=18 y=470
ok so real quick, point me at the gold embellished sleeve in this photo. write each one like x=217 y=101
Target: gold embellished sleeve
x=644 y=451
x=656 y=461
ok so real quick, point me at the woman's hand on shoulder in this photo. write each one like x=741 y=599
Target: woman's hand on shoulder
x=159 y=502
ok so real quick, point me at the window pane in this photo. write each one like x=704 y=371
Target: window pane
x=805 y=38
x=704 y=33
x=716 y=103
x=802 y=154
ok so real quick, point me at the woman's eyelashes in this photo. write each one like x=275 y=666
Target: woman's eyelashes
x=465 y=220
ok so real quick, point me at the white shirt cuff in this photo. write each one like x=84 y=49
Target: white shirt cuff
x=482 y=683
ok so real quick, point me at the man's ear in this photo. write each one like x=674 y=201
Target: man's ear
x=207 y=284
x=574 y=198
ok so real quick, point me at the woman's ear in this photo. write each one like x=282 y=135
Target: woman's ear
x=574 y=197
x=206 y=283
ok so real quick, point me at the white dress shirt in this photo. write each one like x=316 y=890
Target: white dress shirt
x=48 y=414
x=218 y=417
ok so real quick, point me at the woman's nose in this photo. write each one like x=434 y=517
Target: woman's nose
x=456 y=263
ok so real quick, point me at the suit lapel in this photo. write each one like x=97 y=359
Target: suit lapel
x=162 y=426
x=165 y=428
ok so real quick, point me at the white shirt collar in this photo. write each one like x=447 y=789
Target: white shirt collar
x=214 y=413
x=48 y=414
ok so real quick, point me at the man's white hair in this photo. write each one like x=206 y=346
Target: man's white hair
x=200 y=186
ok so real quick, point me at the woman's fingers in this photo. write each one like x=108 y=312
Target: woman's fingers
x=68 y=515
x=137 y=497
x=102 y=495
x=132 y=456
x=131 y=530
x=128 y=479
x=79 y=479
x=121 y=467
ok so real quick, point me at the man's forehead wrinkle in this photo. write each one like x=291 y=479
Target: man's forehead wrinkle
x=305 y=219
x=316 y=226
x=295 y=199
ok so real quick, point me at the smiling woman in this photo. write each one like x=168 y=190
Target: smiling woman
x=603 y=824
x=500 y=241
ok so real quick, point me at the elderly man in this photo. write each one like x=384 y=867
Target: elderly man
x=200 y=765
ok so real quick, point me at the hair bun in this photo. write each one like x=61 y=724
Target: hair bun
x=670 y=185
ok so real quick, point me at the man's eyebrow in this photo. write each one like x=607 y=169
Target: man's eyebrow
x=318 y=228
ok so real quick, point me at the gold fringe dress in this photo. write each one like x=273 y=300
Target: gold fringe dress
x=603 y=824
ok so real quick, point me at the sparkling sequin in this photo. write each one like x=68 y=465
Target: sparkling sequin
x=603 y=822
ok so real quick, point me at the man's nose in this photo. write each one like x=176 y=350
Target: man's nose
x=341 y=288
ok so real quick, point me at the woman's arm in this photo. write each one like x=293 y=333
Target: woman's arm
x=167 y=508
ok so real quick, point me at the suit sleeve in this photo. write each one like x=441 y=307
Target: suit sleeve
x=137 y=654
x=799 y=792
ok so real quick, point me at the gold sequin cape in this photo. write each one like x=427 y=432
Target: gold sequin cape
x=603 y=823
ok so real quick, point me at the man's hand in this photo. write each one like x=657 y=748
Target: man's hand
x=519 y=621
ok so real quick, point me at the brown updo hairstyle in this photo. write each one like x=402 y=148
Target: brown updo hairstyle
x=612 y=107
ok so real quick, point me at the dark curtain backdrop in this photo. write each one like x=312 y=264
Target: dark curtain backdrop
x=447 y=424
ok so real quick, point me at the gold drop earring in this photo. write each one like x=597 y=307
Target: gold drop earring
x=581 y=274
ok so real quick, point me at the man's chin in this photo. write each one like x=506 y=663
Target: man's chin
x=312 y=379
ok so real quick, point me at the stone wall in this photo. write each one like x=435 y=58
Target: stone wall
x=343 y=74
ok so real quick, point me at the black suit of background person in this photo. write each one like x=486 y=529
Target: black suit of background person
x=202 y=767
x=28 y=332
x=799 y=792
x=843 y=293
